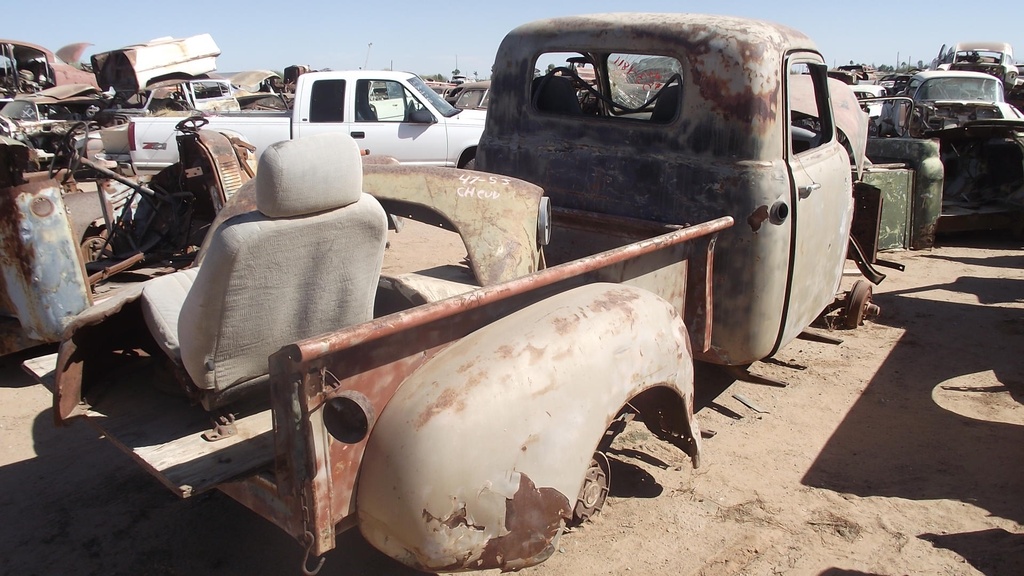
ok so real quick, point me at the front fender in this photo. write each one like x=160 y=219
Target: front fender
x=477 y=460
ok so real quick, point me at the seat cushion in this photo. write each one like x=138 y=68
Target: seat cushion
x=162 y=298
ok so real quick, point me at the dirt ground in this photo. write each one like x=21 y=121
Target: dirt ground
x=898 y=451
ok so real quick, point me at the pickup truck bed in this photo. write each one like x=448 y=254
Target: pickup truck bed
x=165 y=434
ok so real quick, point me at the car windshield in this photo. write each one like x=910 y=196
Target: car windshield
x=981 y=89
x=473 y=98
x=446 y=109
x=20 y=110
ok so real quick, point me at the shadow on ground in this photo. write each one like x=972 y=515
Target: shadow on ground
x=896 y=441
x=83 y=507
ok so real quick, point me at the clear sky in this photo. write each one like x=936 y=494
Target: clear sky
x=429 y=37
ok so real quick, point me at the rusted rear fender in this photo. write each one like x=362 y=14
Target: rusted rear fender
x=478 y=459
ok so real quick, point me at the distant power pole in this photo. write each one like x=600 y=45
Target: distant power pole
x=367 y=61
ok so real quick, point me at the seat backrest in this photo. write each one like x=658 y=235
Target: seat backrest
x=306 y=262
x=556 y=94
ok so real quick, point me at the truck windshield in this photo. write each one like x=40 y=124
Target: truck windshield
x=446 y=109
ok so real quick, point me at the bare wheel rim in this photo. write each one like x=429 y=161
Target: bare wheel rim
x=594 y=491
x=857 y=303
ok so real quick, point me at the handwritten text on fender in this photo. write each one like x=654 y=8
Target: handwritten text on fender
x=473 y=186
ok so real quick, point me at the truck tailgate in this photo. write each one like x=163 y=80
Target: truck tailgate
x=165 y=435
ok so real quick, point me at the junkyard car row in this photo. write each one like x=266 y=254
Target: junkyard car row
x=621 y=219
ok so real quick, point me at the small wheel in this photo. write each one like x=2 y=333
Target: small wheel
x=857 y=303
x=594 y=491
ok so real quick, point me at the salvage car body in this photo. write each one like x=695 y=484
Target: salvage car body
x=981 y=145
x=559 y=327
x=43 y=119
x=949 y=99
x=945 y=99
x=26 y=68
x=132 y=68
x=993 y=58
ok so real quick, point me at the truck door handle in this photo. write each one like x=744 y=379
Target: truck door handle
x=359 y=134
x=805 y=191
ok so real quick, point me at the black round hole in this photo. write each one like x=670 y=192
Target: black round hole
x=780 y=211
x=346 y=420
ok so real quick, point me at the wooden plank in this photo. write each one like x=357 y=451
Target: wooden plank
x=43 y=369
x=164 y=432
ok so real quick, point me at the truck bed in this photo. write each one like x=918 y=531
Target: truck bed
x=165 y=434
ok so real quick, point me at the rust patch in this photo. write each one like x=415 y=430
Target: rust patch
x=448 y=400
x=564 y=326
x=533 y=517
x=614 y=300
x=16 y=253
x=454 y=520
x=536 y=354
x=505 y=352
x=757 y=218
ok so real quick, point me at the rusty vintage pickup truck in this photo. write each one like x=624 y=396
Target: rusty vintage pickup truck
x=458 y=415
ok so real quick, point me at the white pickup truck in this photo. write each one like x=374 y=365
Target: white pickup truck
x=388 y=113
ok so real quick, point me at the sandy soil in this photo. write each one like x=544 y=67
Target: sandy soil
x=898 y=451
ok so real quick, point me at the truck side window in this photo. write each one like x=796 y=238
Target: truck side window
x=384 y=101
x=809 y=114
x=327 y=101
x=646 y=87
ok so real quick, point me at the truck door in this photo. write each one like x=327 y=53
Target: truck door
x=393 y=121
x=821 y=197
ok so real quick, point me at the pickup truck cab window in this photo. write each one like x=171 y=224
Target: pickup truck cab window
x=810 y=116
x=634 y=86
x=326 y=103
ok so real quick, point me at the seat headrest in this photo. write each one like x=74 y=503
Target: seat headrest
x=309 y=175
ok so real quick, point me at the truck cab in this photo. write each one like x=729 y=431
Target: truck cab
x=680 y=125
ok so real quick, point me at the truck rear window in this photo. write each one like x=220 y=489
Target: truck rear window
x=639 y=87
